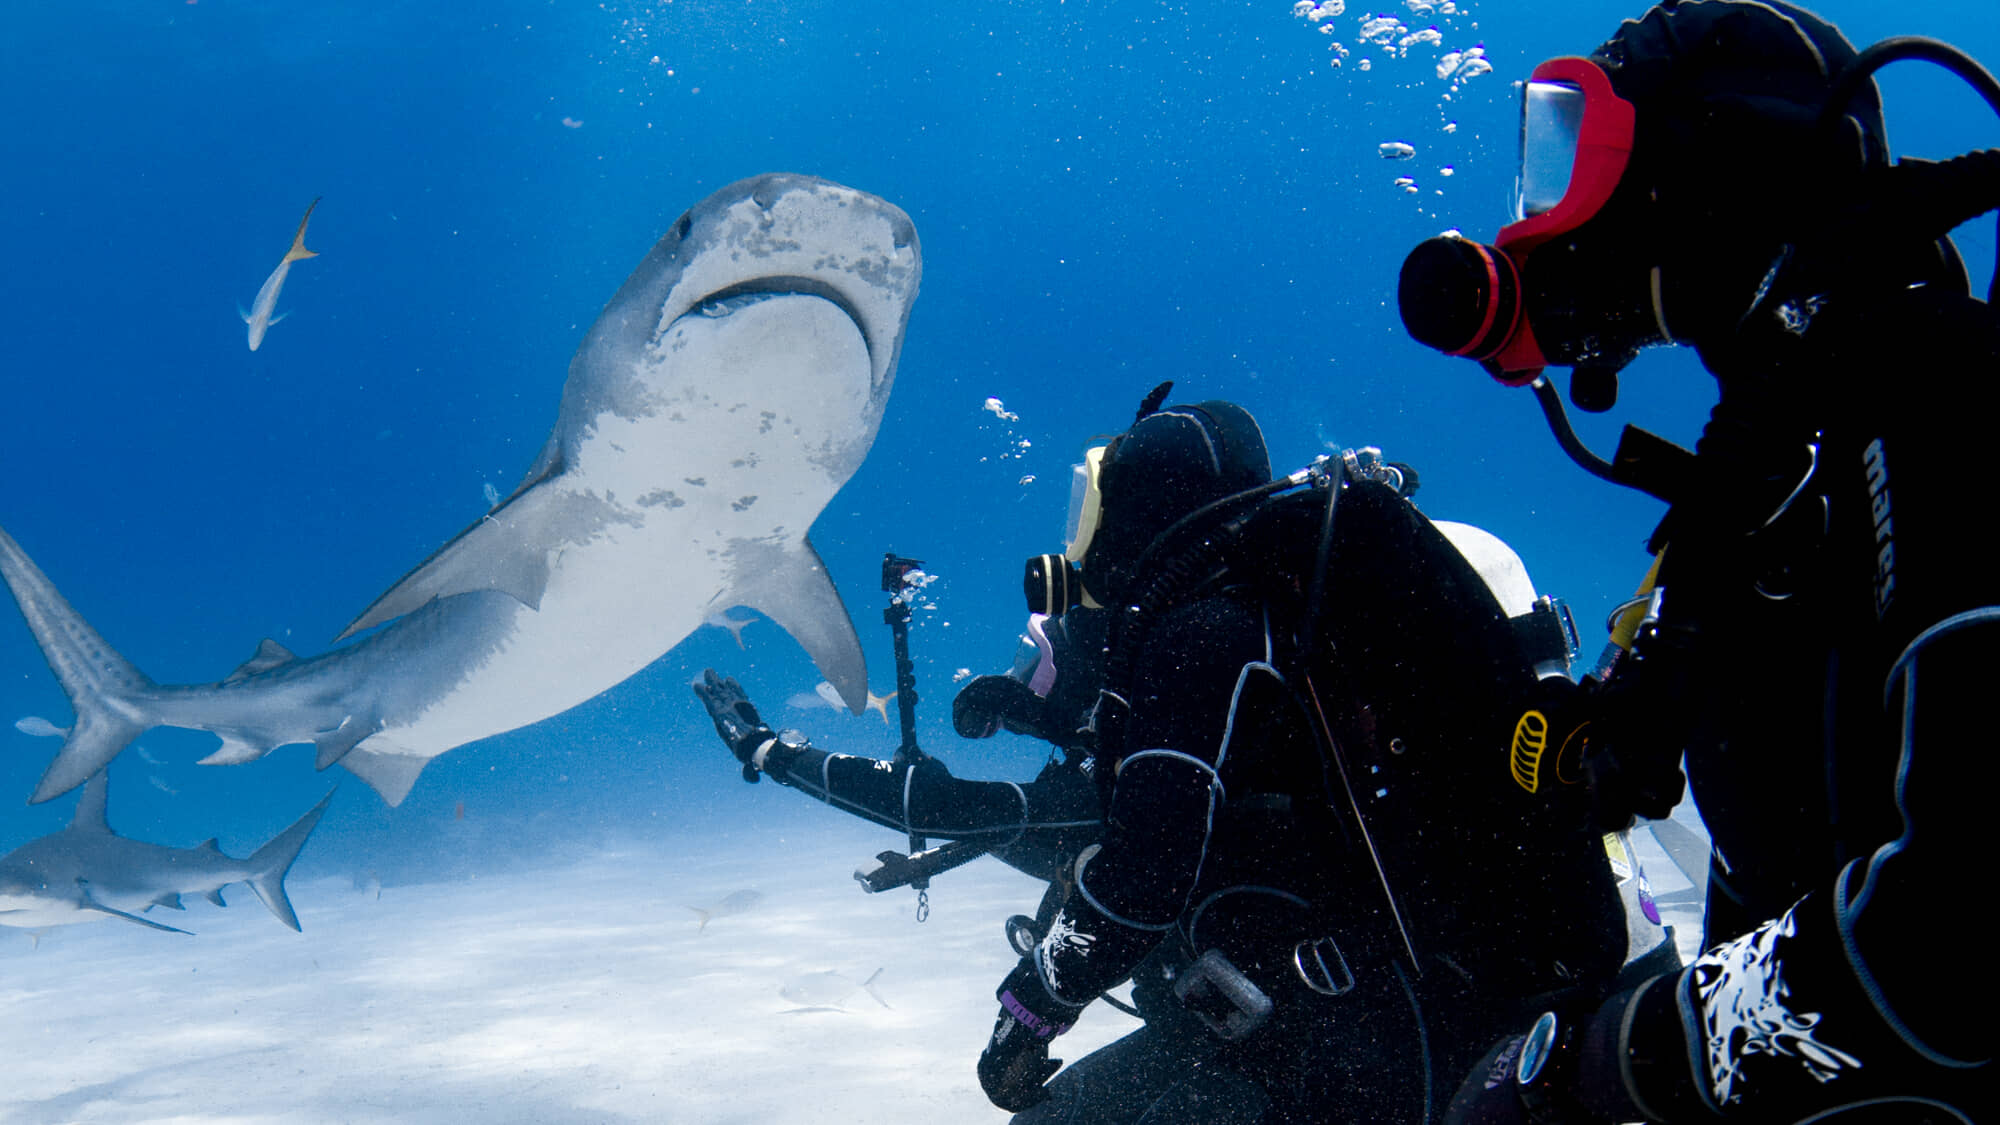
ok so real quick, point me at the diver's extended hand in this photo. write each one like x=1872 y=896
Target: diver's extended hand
x=735 y=717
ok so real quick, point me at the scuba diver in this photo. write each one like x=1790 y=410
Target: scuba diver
x=1315 y=869
x=1286 y=807
x=1717 y=174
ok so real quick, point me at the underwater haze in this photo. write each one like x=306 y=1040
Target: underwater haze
x=1108 y=194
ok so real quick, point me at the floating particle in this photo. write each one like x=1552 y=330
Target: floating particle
x=1026 y=479
x=999 y=410
x=1445 y=171
x=1395 y=150
x=1404 y=181
x=1451 y=126
x=1427 y=35
x=1448 y=63
x=1366 y=64
x=572 y=123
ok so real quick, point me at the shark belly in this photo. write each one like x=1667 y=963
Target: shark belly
x=712 y=483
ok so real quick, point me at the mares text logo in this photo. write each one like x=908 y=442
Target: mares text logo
x=1877 y=464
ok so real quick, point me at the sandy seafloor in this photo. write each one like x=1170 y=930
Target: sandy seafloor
x=583 y=992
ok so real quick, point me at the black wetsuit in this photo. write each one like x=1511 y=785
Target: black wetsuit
x=1037 y=827
x=1839 y=659
x=1232 y=828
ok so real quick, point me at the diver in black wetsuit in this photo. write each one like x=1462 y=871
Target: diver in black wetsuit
x=1327 y=892
x=1818 y=637
x=1037 y=827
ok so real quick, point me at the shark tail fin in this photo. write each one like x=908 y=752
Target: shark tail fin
x=868 y=986
x=704 y=918
x=270 y=863
x=103 y=687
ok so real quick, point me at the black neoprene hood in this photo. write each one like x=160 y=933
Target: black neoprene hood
x=1169 y=464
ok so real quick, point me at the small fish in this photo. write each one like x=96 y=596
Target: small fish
x=736 y=902
x=259 y=317
x=823 y=694
x=39 y=727
x=731 y=622
x=827 y=990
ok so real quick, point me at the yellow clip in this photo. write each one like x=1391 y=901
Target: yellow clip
x=1531 y=737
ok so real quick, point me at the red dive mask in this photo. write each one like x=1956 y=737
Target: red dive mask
x=1465 y=298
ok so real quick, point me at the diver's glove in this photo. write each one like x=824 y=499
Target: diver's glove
x=741 y=728
x=989 y=704
x=1016 y=1060
x=1572 y=1067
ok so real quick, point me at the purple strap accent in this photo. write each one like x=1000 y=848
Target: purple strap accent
x=1041 y=1028
x=1045 y=671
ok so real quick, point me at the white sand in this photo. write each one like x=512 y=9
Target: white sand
x=581 y=994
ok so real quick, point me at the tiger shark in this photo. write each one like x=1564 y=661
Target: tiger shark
x=726 y=392
x=86 y=873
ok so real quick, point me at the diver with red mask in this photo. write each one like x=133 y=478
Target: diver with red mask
x=1718 y=175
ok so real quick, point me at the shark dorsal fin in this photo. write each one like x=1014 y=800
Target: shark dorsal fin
x=90 y=806
x=270 y=654
x=211 y=846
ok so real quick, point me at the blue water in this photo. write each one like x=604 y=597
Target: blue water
x=1108 y=195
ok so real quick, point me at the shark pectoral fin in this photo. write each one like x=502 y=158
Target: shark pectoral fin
x=337 y=743
x=215 y=896
x=507 y=550
x=792 y=588
x=269 y=863
x=390 y=775
x=270 y=654
x=277 y=318
x=242 y=312
x=90 y=902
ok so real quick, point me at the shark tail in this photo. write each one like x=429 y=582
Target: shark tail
x=270 y=863
x=704 y=918
x=104 y=689
x=868 y=986
x=298 y=250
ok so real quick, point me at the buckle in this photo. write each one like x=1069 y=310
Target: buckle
x=1322 y=967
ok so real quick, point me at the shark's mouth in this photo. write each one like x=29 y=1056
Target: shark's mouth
x=743 y=294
